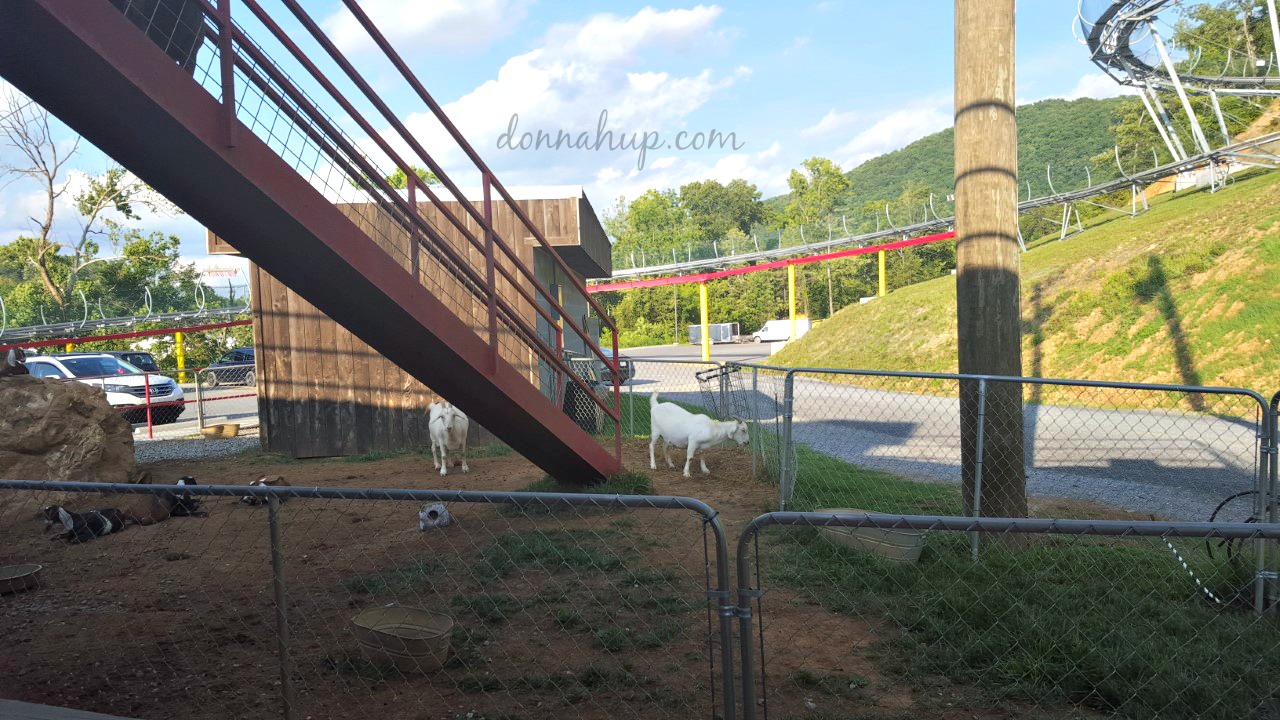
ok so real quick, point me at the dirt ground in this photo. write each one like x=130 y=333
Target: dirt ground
x=588 y=614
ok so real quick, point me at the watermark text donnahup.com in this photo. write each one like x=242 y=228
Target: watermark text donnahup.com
x=603 y=138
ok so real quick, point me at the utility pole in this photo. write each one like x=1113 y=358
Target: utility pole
x=989 y=319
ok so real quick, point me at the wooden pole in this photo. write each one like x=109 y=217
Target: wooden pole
x=987 y=285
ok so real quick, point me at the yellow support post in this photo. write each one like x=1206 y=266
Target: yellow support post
x=704 y=314
x=179 y=350
x=71 y=347
x=884 y=282
x=791 y=298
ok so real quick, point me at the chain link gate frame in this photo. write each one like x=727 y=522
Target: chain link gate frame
x=750 y=591
x=525 y=505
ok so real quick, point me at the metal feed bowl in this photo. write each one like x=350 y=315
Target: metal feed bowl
x=18 y=578
x=408 y=639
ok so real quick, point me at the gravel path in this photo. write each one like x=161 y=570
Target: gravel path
x=150 y=451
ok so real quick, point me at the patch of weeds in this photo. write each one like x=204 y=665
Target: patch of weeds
x=658 y=636
x=550 y=552
x=465 y=644
x=624 y=523
x=379 y=455
x=844 y=686
x=492 y=609
x=647 y=576
x=612 y=639
x=479 y=683
x=416 y=577
x=569 y=619
x=491 y=451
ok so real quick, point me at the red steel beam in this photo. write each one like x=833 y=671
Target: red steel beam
x=703 y=277
x=101 y=76
x=125 y=335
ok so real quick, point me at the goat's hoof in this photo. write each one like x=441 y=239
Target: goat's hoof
x=466 y=469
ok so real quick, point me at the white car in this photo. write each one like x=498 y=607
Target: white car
x=124 y=384
x=780 y=330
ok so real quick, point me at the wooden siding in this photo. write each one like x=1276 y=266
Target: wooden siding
x=323 y=392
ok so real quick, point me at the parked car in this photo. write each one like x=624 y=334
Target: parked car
x=144 y=361
x=780 y=330
x=626 y=368
x=234 y=367
x=124 y=384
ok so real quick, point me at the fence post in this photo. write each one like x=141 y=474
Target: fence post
x=282 y=619
x=755 y=378
x=977 y=467
x=146 y=392
x=199 y=403
x=787 y=484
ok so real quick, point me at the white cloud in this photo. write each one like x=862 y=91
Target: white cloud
x=833 y=121
x=581 y=71
x=895 y=130
x=1098 y=86
x=441 y=25
x=797 y=45
x=766 y=169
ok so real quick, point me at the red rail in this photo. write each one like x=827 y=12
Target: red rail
x=125 y=335
x=703 y=277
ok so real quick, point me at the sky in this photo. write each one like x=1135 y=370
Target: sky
x=779 y=83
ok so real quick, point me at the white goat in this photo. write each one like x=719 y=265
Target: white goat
x=679 y=427
x=448 y=426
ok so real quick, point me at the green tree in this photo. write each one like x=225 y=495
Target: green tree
x=59 y=258
x=815 y=191
x=400 y=181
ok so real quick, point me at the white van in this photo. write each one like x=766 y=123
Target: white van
x=780 y=330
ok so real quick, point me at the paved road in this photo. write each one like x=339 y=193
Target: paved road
x=1173 y=464
x=223 y=403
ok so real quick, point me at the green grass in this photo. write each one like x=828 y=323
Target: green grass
x=490 y=608
x=413 y=578
x=1116 y=625
x=550 y=551
x=842 y=686
x=1184 y=293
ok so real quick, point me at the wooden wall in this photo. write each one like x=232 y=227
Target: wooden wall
x=323 y=392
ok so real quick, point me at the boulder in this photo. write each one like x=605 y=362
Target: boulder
x=57 y=430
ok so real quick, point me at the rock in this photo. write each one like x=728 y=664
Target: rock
x=57 y=430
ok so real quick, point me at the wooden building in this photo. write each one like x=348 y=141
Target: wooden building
x=322 y=392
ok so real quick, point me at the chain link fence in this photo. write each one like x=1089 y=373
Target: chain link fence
x=318 y=601
x=857 y=615
x=893 y=442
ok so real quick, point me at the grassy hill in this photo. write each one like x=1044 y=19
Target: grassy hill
x=1064 y=133
x=1188 y=292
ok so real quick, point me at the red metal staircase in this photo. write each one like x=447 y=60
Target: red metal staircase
x=184 y=98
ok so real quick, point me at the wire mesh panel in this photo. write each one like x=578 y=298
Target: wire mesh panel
x=426 y=606
x=894 y=443
x=898 y=620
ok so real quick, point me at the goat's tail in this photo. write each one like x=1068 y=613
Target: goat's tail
x=653 y=400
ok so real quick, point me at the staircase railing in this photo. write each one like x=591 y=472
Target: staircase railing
x=509 y=308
